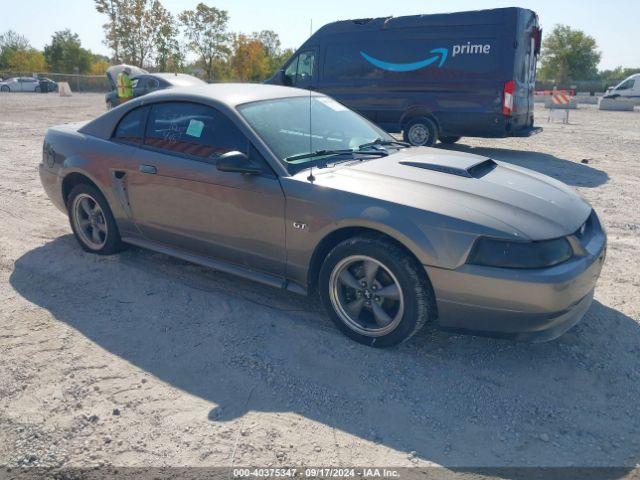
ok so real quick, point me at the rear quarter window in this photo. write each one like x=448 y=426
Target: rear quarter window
x=131 y=126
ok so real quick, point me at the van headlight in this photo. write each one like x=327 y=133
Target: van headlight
x=491 y=252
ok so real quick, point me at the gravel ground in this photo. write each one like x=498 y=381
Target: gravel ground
x=143 y=360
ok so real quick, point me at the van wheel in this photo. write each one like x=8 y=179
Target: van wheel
x=420 y=132
x=449 y=140
x=375 y=292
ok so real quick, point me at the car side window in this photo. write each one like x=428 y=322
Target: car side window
x=626 y=85
x=194 y=130
x=290 y=72
x=305 y=67
x=131 y=127
x=152 y=84
x=301 y=69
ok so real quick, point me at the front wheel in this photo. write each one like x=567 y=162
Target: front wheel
x=5 y=88
x=449 y=140
x=92 y=221
x=37 y=90
x=375 y=292
x=420 y=132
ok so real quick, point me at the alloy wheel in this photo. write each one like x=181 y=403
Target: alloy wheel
x=90 y=221
x=366 y=295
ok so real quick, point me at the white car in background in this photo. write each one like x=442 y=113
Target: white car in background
x=20 y=84
x=628 y=90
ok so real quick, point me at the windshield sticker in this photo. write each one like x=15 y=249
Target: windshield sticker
x=332 y=104
x=195 y=128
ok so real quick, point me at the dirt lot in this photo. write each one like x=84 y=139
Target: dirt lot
x=140 y=359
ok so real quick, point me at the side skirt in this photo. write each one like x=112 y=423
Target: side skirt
x=260 y=277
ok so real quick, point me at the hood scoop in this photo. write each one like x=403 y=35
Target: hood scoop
x=477 y=170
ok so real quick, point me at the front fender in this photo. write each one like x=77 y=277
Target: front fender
x=319 y=212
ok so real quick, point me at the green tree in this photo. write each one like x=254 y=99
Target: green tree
x=11 y=42
x=65 y=53
x=169 y=52
x=249 y=59
x=568 y=54
x=132 y=27
x=271 y=44
x=613 y=77
x=206 y=30
x=27 y=61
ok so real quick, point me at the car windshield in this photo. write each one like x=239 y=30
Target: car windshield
x=294 y=128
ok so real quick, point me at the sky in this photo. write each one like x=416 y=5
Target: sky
x=614 y=24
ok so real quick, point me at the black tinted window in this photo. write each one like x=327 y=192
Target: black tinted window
x=131 y=127
x=193 y=129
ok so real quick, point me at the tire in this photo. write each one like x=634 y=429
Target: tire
x=37 y=90
x=5 y=88
x=407 y=307
x=420 y=132
x=107 y=240
x=449 y=140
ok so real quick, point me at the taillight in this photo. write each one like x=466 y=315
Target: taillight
x=507 y=102
x=537 y=41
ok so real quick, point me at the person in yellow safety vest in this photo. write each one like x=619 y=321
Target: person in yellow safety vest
x=125 y=90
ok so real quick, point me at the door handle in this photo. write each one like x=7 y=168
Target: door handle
x=148 y=169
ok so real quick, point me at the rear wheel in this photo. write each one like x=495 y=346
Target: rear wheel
x=5 y=88
x=92 y=221
x=449 y=140
x=37 y=90
x=420 y=132
x=375 y=292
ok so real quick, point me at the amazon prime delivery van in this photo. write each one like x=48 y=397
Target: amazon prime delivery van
x=431 y=77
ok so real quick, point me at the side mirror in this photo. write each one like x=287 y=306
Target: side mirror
x=238 y=162
x=283 y=79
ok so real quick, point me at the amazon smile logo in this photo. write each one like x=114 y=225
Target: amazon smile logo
x=439 y=54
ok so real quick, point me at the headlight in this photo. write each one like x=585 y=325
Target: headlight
x=507 y=254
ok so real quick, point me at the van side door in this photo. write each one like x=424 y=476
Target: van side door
x=302 y=70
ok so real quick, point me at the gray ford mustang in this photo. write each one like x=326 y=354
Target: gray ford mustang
x=292 y=189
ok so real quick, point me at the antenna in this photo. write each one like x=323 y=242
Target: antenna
x=311 y=178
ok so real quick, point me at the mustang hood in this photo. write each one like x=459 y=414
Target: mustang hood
x=505 y=199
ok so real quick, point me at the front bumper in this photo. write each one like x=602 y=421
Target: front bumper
x=526 y=132
x=532 y=305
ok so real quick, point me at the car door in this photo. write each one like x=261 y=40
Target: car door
x=27 y=84
x=179 y=198
x=625 y=89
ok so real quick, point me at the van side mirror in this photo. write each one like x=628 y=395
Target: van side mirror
x=238 y=162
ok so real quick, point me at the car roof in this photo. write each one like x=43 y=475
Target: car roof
x=230 y=94
x=177 y=78
x=219 y=95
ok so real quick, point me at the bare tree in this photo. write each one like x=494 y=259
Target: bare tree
x=206 y=29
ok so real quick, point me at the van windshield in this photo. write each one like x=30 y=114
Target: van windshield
x=298 y=126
